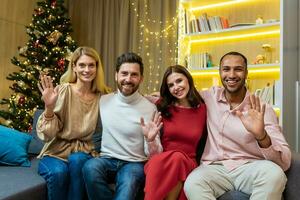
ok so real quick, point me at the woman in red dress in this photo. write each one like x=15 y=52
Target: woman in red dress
x=184 y=131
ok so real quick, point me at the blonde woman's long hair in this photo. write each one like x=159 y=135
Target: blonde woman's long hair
x=98 y=84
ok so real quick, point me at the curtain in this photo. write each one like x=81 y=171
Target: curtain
x=113 y=27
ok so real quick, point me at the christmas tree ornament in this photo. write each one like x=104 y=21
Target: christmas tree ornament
x=25 y=62
x=68 y=38
x=30 y=76
x=51 y=17
x=54 y=36
x=61 y=64
x=29 y=128
x=49 y=44
x=23 y=51
x=53 y=3
x=37 y=67
x=21 y=101
x=38 y=11
x=36 y=43
x=21 y=83
x=46 y=71
x=23 y=74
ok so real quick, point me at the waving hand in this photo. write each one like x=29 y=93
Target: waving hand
x=49 y=93
x=151 y=129
x=253 y=120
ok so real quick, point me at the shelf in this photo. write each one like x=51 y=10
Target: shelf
x=277 y=111
x=254 y=71
x=244 y=36
x=195 y=5
x=236 y=33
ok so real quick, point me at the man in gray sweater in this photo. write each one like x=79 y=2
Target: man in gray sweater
x=126 y=140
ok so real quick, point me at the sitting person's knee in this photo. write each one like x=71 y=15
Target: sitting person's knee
x=276 y=175
x=191 y=182
x=59 y=175
x=77 y=158
x=88 y=169
x=132 y=175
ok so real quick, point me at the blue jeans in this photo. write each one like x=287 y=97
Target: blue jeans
x=99 y=172
x=64 y=179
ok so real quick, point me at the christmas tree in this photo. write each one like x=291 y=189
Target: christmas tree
x=47 y=51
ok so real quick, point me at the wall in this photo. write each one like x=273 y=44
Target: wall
x=14 y=16
x=289 y=74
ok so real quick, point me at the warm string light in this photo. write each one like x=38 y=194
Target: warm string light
x=151 y=39
x=226 y=3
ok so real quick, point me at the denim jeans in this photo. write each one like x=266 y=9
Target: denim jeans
x=64 y=179
x=99 y=172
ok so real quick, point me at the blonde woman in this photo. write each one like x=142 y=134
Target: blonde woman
x=68 y=123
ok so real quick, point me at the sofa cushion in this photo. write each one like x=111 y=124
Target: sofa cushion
x=97 y=137
x=13 y=147
x=22 y=183
x=293 y=183
x=234 y=195
x=36 y=143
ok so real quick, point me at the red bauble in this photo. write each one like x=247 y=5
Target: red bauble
x=61 y=64
x=39 y=11
x=29 y=128
x=53 y=3
x=36 y=44
x=21 y=100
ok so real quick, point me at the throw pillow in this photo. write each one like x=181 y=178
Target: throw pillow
x=36 y=143
x=13 y=147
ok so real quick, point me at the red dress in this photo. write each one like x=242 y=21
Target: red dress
x=181 y=134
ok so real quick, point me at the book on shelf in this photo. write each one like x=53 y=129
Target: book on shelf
x=266 y=94
x=185 y=22
x=225 y=23
x=212 y=23
x=218 y=22
x=199 y=61
x=205 y=20
x=203 y=23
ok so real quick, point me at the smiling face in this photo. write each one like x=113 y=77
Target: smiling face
x=85 y=69
x=128 y=78
x=233 y=72
x=178 y=86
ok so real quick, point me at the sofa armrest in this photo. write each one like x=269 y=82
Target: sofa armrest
x=292 y=190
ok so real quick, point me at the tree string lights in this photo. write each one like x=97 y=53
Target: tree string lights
x=47 y=51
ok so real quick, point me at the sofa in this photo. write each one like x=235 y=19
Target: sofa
x=23 y=183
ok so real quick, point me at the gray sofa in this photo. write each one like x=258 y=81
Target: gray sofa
x=23 y=183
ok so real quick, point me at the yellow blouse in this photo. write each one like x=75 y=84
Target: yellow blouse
x=72 y=126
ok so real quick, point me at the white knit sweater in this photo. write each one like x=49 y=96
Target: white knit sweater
x=122 y=135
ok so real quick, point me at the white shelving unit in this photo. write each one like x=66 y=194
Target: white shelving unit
x=282 y=33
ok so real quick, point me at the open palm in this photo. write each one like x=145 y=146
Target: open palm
x=151 y=129
x=49 y=94
x=253 y=119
